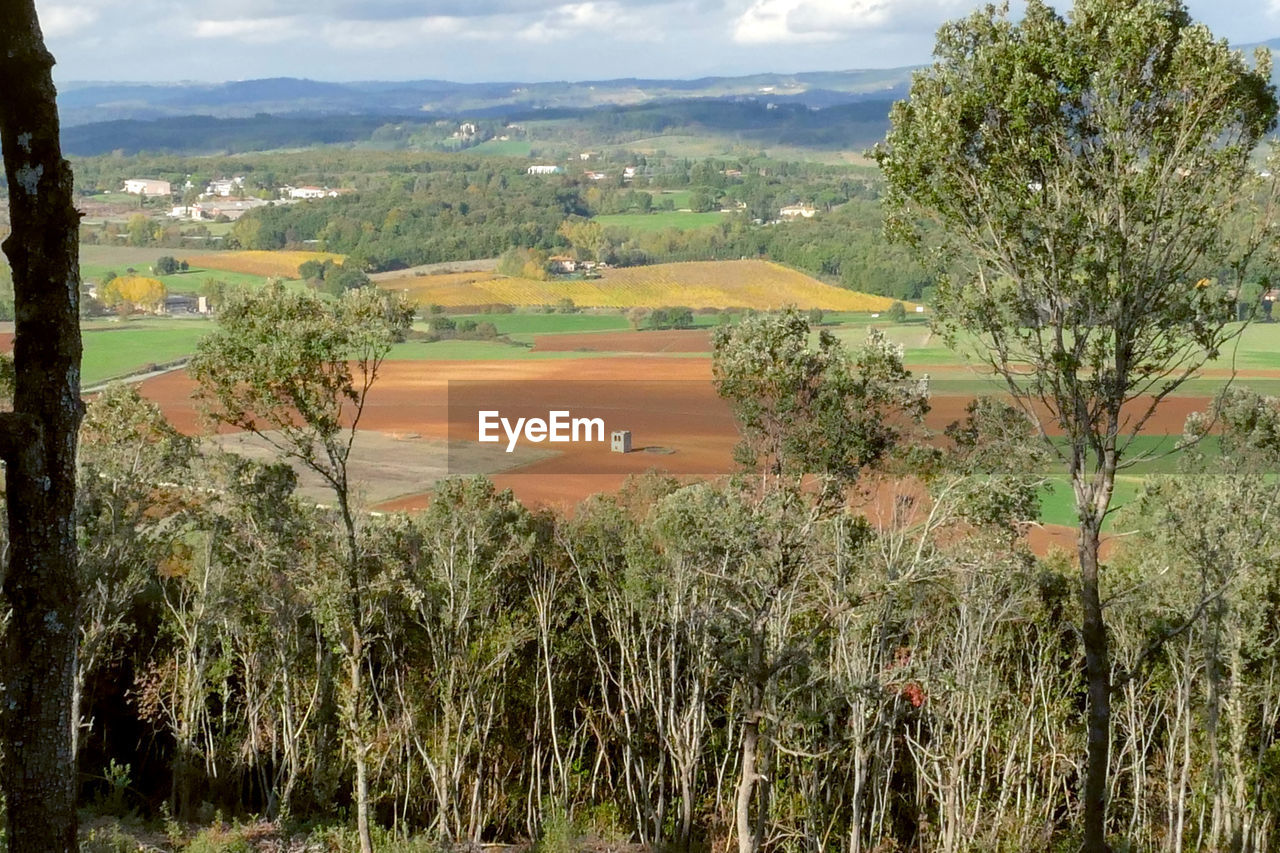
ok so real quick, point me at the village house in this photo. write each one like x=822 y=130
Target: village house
x=798 y=211
x=147 y=186
x=310 y=192
x=562 y=264
x=225 y=187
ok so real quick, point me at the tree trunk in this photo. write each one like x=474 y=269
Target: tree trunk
x=360 y=745
x=355 y=664
x=749 y=834
x=747 y=782
x=1098 y=675
x=38 y=444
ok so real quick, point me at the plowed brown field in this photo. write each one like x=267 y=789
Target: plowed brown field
x=692 y=428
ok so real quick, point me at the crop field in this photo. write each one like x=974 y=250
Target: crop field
x=112 y=350
x=661 y=221
x=279 y=264
x=193 y=280
x=601 y=345
x=503 y=148
x=697 y=284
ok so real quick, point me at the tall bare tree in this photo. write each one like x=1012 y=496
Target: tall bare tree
x=38 y=445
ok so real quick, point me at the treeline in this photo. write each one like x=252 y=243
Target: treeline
x=757 y=122
x=686 y=664
x=202 y=134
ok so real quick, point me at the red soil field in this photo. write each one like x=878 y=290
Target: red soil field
x=675 y=340
x=412 y=397
x=669 y=404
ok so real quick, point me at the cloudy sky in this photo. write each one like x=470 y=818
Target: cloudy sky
x=526 y=40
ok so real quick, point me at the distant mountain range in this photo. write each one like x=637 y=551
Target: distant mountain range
x=88 y=102
x=284 y=111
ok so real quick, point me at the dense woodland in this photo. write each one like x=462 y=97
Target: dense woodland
x=630 y=672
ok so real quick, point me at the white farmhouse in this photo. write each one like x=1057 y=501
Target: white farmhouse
x=798 y=211
x=544 y=170
x=225 y=187
x=311 y=192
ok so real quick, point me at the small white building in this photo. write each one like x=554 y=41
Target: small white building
x=544 y=170
x=620 y=441
x=147 y=186
x=798 y=211
x=628 y=172
x=225 y=187
x=311 y=192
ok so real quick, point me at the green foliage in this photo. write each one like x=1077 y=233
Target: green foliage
x=664 y=318
x=282 y=360
x=166 y=265
x=897 y=313
x=1075 y=142
x=6 y=292
x=806 y=410
x=524 y=263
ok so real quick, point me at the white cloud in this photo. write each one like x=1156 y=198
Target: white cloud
x=783 y=21
x=382 y=35
x=250 y=30
x=608 y=19
x=59 y=21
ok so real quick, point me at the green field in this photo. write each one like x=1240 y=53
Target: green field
x=660 y=221
x=1057 y=501
x=503 y=148
x=679 y=198
x=113 y=349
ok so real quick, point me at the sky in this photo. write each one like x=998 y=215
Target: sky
x=515 y=40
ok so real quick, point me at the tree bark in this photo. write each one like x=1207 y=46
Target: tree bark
x=38 y=445
x=1098 y=676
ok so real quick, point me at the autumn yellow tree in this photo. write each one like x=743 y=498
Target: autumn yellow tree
x=132 y=292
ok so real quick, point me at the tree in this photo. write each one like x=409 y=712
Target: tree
x=702 y=200
x=130 y=292
x=897 y=313
x=802 y=411
x=586 y=236
x=139 y=229
x=38 y=445
x=1087 y=175
x=297 y=372
x=165 y=265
